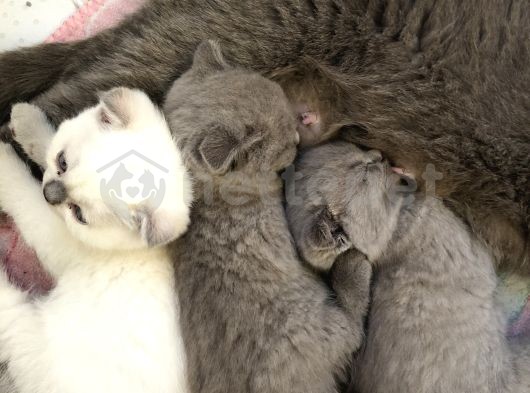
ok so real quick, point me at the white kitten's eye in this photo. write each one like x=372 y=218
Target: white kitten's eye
x=78 y=213
x=62 y=165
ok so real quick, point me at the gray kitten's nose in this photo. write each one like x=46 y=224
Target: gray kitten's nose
x=54 y=192
x=374 y=156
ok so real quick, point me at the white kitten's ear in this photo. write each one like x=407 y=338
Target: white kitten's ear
x=115 y=107
x=208 y=59
x=121 y=106
x=160 y=226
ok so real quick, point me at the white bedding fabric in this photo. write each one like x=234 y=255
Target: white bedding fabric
x=29 y=22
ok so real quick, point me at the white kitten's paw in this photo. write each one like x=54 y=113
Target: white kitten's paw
x=27 y=123
x=24 y=116
x=6 y=134
x=9 y=294
x=6 y=154
x=12 y=168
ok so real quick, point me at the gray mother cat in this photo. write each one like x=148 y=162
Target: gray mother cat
x=437 y=82
x=433 y=325
x=253 y=318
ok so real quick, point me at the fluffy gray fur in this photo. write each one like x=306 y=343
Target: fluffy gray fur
x=425 y=81
x=254 y=319
x=434 y=325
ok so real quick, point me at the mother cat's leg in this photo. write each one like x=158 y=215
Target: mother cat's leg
x=154 y=46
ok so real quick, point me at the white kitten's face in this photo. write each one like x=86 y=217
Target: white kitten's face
x=116 y=177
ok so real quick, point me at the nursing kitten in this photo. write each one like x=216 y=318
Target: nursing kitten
x=434 y=325
x=427 y=82
x=254 y=319
x=111 y=322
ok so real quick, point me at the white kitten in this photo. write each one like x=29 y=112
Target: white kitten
x=111 y=323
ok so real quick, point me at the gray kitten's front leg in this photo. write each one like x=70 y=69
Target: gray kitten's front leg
x=350 y=278
x=32 y=131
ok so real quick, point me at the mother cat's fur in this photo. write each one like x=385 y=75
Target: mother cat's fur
x=426 y=81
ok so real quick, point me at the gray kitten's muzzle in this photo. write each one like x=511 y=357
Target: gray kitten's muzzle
x=54 y=192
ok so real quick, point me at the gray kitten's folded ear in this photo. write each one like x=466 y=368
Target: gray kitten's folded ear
x=220 y=149
x=208 y=59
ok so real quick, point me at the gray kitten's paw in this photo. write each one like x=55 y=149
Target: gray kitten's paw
x=351 y=278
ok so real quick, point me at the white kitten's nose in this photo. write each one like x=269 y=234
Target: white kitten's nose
x=54 y=192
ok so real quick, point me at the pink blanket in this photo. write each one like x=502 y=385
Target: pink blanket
x=21 y=262
x=94 y=16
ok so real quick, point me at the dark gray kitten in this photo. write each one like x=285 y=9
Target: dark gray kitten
x=434 y=325
x=426 y=81
x=254 y=319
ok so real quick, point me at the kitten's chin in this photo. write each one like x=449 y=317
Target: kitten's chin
x=113 y=244
x=124 y=239
x=107 y=239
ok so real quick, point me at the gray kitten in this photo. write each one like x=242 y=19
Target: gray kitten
x=254 y=319
x=434 y=325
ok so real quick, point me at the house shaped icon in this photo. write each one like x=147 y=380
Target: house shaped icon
x=130 y=153
x=132 y=181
